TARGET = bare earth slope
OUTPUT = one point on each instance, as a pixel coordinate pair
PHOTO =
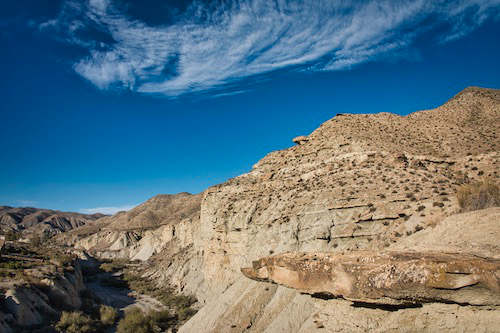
(140, 232)
(37, 221)
(159, 210)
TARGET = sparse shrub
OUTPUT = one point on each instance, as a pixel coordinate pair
(108, 315)
(76, 322)
(64, 259)
(180, 305)
(12, 265)
(186, 313)
(162, 319)
(135, 322)
(478, 195)
(177, 301)
(12, 235)
(20, 275)
(113, 266)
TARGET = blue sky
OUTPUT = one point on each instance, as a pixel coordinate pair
(106, 103)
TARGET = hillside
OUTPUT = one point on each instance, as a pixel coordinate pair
(140, 232)
(34, 221)
(160, 210)
(360, 182)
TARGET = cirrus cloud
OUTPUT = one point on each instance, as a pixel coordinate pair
(214, 46)
(106, 210)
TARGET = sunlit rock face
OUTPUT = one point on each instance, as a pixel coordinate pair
(385, 277)
(360, 182)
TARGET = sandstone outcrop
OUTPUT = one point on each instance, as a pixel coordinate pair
(385, 277)
(264, 307)
(300, 140)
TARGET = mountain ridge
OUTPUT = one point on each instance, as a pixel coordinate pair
(39, 221)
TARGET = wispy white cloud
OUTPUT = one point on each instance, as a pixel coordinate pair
(210, 46)
(106, 210)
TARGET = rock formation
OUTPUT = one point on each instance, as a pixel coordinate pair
(300, 140)
(385, 277)
(26, 305)
(140, 232)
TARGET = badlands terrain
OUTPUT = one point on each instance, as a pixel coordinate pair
(373, 222)
(41, 222)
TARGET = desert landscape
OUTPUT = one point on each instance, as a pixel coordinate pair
(372, 222)
(249, 166)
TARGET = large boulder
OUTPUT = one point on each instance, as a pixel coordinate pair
(385, 277)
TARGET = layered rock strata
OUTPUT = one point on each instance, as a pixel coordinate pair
(360, 182)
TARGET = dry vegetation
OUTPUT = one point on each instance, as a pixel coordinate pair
(26, 263)
(478, 195)
(76, 322)
(81, 322)
(180, 305)
(108, 315)
(135, 321)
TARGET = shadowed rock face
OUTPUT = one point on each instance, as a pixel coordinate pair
(385, 278)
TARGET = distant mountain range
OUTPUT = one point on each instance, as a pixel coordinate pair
(30, 221)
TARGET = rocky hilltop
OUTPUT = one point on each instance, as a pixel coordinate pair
(358, 189)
